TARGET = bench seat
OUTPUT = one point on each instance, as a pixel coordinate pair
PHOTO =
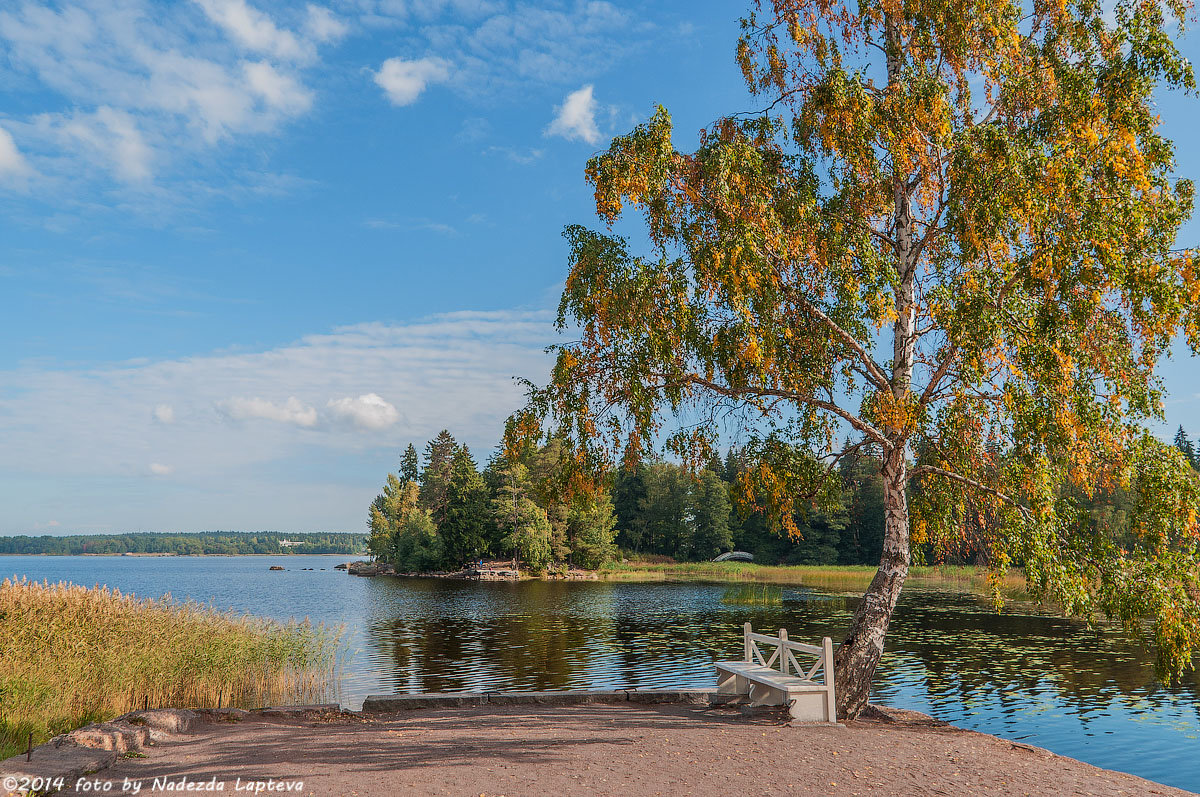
(766, 676)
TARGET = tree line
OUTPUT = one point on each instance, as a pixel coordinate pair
(185, 544)
(440, 511)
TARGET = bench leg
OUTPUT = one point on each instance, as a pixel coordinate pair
(761, 695)
(732, 684)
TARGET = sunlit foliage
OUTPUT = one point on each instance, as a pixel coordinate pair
(950, 233)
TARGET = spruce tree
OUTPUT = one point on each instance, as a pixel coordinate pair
(410, 466)
(1184, 444)
(464, 524)
(435, 478)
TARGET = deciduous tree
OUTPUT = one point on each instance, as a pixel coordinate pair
(951, 232)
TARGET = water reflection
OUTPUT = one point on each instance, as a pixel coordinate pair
(1023, 674)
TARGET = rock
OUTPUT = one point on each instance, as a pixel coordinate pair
(120, 737)
(274, 567)
(162, 720)
(65, 761)
(300, 712)
(369, 569)
(342, 566)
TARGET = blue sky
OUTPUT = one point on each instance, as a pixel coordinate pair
(249, 250)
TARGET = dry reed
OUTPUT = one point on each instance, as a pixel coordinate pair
(71, 655)
(835, 577)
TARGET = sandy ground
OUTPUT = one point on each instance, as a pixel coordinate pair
(623, 749)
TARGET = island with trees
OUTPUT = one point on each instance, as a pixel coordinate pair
(440, 511)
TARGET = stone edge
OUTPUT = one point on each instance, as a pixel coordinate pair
(382, 704)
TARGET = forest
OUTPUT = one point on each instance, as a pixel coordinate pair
(441, 511)
(193, 544)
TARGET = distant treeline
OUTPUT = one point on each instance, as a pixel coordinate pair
(195, 544)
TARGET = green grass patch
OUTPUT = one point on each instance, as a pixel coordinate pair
(74, 655)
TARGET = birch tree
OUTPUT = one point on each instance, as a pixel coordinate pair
(949, 233)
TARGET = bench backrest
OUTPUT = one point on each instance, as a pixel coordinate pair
(784, 657)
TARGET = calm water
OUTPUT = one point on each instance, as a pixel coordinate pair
(1021, 675)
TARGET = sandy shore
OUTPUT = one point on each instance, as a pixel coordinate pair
(617, 749)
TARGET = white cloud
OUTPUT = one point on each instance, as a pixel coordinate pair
(518, 156)
(112, 135)
(12, 163)
(507, 49)
(279, 91)
(293, 411)
(164, 413)
(159, 469)
(255, 30)
(370, 411)
(138, 90)
(576, 118)
(66, 428)
(403, 81)
(323, 26)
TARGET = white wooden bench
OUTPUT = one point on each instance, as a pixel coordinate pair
(780, 680)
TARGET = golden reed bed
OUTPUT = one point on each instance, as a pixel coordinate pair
(70, 655)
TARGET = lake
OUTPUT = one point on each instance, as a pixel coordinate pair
(1024, 675)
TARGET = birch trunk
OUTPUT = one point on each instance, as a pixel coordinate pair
(859, 654)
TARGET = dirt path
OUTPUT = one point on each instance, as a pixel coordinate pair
(621, 749)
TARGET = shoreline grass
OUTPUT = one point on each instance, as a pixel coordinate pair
(74, 655)
(856, 578)
(753, 595)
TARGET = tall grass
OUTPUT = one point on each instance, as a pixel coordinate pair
(834, 577)
(71, 655)
(753, 595)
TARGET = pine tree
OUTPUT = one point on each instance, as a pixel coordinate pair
(629, 490)
(388, 515)
(520, 523)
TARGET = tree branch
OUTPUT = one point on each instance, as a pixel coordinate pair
(848, 417)
(922, 470)
(939, 374)
(873, 372)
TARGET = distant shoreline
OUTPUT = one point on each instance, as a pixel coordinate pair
(178, 555)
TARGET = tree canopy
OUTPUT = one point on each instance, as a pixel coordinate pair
(951, 232)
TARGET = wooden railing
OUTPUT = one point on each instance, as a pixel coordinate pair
(785, 653)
